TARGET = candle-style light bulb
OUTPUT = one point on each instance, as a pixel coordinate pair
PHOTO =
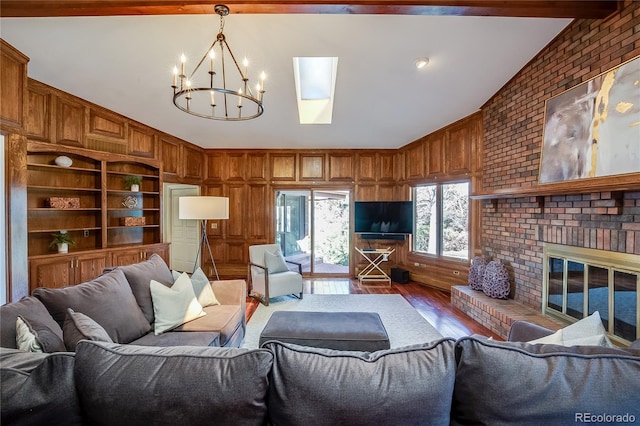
(213, 98)
(183, 60)
(245, 62)
(240, 97)
(188, 89)
(263, 77)
(212, 56)
(175, 76)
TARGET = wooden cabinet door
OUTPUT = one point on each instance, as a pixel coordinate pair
(126, 256)
(88, 266)
(458, 151)
(161, 250)
(51, 272)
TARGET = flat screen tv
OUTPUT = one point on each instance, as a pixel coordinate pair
(383, 218)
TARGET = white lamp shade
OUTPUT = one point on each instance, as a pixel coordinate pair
(203, 208)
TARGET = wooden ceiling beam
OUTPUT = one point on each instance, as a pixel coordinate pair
(521, 8)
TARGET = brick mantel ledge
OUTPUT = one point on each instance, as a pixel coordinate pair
(497, 314)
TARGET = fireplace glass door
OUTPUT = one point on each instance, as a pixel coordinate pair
(579, 282)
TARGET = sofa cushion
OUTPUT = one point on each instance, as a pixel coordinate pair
(201, 287)
(175, 305)
(136, 385)
(402, 386)
(38, 389)
(77, 326)
(107, 300)
(195, 338)
(49, 333)
(225, 319)
(139, 276)
(499, 383)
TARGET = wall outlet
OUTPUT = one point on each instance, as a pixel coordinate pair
(214, 226)
(85, 233)
(416, 264)
(456, 272)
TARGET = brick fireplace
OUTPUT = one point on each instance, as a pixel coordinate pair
(515, 228)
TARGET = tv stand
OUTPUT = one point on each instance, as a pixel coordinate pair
(373, 272)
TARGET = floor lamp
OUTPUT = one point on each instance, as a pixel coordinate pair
(204, 208)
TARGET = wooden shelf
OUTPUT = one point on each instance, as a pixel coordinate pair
(50, 209)
(62, 169)
(96, 179)
(618, 183)
(51, 230)
(62, 188)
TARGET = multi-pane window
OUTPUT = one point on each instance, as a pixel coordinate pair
(442, 219)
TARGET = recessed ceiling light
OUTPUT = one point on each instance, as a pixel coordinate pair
(421, 62)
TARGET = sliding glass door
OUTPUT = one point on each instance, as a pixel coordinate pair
(312, 228)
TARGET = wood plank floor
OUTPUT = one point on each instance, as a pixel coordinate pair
(433, 304)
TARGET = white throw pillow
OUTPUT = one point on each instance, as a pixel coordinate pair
(588, 331)
(201, 287)
(26, 338)
(275, 262)
(174, 306)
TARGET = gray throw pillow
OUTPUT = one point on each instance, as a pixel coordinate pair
(182, 385)
(33, 312)
(499, 383)
(45, 338)
(78, 326)
(402, 386)
(139, 276)
(275, 262)
(108, 300)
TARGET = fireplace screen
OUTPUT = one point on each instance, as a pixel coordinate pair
(579, 282)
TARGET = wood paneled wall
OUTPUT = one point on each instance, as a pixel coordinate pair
(250, 177)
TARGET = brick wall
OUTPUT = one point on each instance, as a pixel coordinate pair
(514, 229)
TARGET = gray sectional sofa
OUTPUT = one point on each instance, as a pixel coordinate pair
(181, 379)
(469, 381)
(120, 302)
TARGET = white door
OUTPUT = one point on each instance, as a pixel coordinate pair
(184, 234)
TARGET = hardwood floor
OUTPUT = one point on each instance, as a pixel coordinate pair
(433, 304)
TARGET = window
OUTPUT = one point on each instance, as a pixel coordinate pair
(442, 219)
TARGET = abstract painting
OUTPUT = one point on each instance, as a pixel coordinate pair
(593, 129)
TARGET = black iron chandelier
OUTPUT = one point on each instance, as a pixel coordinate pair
(219, 92)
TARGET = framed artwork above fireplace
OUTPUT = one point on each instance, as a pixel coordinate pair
(593, 129)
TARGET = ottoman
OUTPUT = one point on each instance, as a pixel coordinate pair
(348, 331)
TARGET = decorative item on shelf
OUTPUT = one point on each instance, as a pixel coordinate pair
(130, 201)
(132, 183)
(63, 240)
(63, 161)
(201, 100)
(63, 202)
(133, 221)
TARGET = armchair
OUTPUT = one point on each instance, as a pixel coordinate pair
(269, 276)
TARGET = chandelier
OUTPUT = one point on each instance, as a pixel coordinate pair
(221, 87)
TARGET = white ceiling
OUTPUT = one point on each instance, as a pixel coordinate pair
(124, 63)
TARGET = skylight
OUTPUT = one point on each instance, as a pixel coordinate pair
(315, 79)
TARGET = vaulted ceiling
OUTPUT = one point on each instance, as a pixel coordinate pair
(119, 54)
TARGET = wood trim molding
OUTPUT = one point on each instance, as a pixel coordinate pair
(594, 9)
